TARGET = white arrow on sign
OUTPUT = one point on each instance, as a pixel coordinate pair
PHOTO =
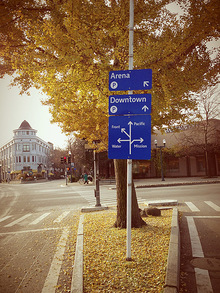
(129, 137)
(120, 140)
(145, 108)
(146, 83)
(140, 140)
(123, 131)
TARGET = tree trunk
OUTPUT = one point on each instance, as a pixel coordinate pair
(121, 185)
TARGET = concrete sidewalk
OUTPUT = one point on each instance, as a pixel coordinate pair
(157, 182)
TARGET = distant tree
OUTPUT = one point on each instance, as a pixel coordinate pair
(82, 162)
(55, 158)
(203, 133)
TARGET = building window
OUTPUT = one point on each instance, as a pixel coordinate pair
(27, 132)
(200, 163)
(24, 159)
(173, 165)
(28, 159)
(19, 159)
(218, 163)
(26, 148)
(32, 158)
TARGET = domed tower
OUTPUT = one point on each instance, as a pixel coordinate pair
(24, 130)
(31, 152)
(25, 152)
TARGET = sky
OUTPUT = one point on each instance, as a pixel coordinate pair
(15, 108)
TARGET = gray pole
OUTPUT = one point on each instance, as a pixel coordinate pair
(66, 173)
(129, 161)
(97, 195)
(161, 164)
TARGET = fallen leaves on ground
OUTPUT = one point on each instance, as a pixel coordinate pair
(105, 265)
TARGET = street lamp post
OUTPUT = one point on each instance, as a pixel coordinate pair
(161, 161)
(0, 173)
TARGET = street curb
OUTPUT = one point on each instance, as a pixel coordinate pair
(77, 276)
(173, 261)
(93, 209)
(176, 184)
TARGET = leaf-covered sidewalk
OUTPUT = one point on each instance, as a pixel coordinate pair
(105, 265)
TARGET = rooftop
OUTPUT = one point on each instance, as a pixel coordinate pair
(25, 125)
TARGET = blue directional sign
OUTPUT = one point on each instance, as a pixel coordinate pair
(130, 104)
(124, 80)
(130, 137)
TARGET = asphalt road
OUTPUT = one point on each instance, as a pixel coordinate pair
(200, 240)
(199, 207)
(35, 239)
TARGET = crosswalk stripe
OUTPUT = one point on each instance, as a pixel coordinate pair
(61, 217)
(5, 218)
(53, 274)
(203, 282)
(110, 201)
(192, 207)
(194, 238)
(39, 219)
(18, 220)
(213, 205)
(92, 202)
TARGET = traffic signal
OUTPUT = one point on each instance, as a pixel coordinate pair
(69, 160)
(64, 159)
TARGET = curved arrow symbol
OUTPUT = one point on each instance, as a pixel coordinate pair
(139, 140)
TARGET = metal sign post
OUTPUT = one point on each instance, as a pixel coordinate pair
(129, 161)
(129, 120)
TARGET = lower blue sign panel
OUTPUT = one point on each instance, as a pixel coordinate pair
(130, 137)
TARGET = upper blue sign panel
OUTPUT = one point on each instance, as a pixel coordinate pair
(130, 104)
(125, 80)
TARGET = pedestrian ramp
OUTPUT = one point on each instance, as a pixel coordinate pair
(34, 219)
(108, 200)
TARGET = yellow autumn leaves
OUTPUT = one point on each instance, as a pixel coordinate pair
(105, 267)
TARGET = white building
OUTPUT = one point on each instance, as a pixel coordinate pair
(25, 151)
